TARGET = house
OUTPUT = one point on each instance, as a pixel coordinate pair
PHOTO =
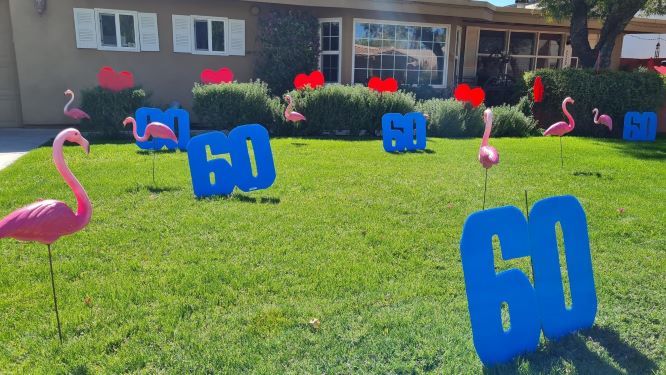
(48, 46)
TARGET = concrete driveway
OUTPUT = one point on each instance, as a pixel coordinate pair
(16, 142)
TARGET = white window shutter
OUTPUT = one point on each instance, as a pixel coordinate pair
(149, 37)
(182, 40)
(84, 27)
(237, 37)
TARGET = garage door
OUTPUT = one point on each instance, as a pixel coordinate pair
(9, 98)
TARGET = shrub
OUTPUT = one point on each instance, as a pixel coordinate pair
(227, 105)
(355, 108)
(426, 92)
(614, 93)
(451, 118)
(108, 109)
(509, 121)
(289, 45)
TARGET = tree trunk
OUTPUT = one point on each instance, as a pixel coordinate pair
(613, 26)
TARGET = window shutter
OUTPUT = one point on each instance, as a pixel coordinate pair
(181, 34)
(150, 39)
(237, 37)
(84, 27)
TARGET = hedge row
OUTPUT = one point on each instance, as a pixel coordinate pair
(614, 93)
(359, 109)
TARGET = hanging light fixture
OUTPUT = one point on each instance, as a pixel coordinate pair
(657, 49)
(40, 6)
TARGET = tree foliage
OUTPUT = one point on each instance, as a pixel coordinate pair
(614, 15)
(290, 45)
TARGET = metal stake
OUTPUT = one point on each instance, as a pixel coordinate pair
(55, 299)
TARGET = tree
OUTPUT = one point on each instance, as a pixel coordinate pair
(290, 45)
(614, 16)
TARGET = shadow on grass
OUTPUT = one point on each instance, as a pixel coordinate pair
(426, 151)
(242, 198)
(640, 150)
(299, 144)
(587, 174)
(150, 152)
(574, 350)
(153, 189)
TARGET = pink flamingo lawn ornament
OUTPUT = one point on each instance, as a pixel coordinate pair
(289, 113)
(604, 120)
(74, 113)
(488, 155)
(561, 128)
(45, 221)
(153, 130)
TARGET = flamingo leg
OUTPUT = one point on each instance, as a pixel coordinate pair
(561, 153)
(485, 188)
(527, 207)
(154, 147)
(55, 299)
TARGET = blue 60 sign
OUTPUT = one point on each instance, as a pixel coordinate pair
(531, 308)
(404, 133)
(218, 176)
(640, 126)
(177, 120)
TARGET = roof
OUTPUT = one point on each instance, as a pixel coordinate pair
(479, 11)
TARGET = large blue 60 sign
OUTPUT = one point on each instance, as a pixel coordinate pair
(530, 308)
(404, 133)
(640, 126)
(170, 118)
(218, 176)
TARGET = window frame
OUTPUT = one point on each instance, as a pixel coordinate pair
(337, 20)
(209, 19)
(535, 56)
(117, 13)
(447, 44)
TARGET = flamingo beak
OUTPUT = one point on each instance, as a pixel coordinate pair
(126, 121)
(85, 145)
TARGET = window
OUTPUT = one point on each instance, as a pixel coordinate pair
(209, 35)
(116, 30)
(203, 35)
(516, 52)
(330, 32)
(414, 54)
(457, 73)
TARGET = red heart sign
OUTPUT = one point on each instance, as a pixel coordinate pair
(210, 76)
(387, 85)
(538, 90)
(464, 93)
(314, 80)
(115, 81)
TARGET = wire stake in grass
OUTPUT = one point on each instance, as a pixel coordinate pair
(561, 154)
(527, 207)
(485, 187)
(55, 299)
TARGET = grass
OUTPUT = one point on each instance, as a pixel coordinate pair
(366, 242)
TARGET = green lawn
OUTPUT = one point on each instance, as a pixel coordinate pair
(366, 242)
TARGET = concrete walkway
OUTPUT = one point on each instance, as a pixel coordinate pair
(16, 142)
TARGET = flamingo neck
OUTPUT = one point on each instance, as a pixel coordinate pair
(290, 106)
(572, 123)
(486, 133)
(596, 116)
(136, 135)
(71, 100)
(84, 207)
